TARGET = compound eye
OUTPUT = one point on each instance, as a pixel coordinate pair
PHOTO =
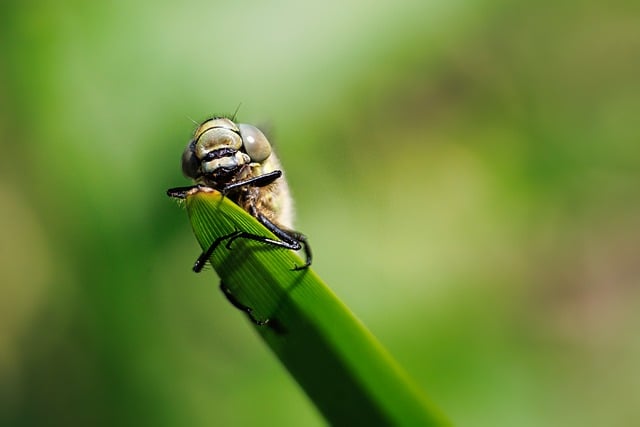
(190, 163)
(255, 143)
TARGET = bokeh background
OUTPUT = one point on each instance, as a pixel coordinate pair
(467, 172)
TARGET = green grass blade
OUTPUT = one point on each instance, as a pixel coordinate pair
(341, 366)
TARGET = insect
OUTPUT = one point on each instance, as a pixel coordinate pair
(238, 161)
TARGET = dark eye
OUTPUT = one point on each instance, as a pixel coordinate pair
(190, 163)
(255, 143)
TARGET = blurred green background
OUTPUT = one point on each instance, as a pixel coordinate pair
(467, 172)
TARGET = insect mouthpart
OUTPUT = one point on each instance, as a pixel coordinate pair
(222, 165)
(219, 153)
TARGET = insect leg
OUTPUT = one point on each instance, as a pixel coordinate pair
(256, 181)
(291, 236)
(286, 244)
(204, 256)
(237, 304)
(289, 239)
(181, 192)
(307, 250)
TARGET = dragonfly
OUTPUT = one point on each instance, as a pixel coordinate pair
(237, 160)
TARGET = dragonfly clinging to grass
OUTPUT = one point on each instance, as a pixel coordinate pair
(238, 161)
